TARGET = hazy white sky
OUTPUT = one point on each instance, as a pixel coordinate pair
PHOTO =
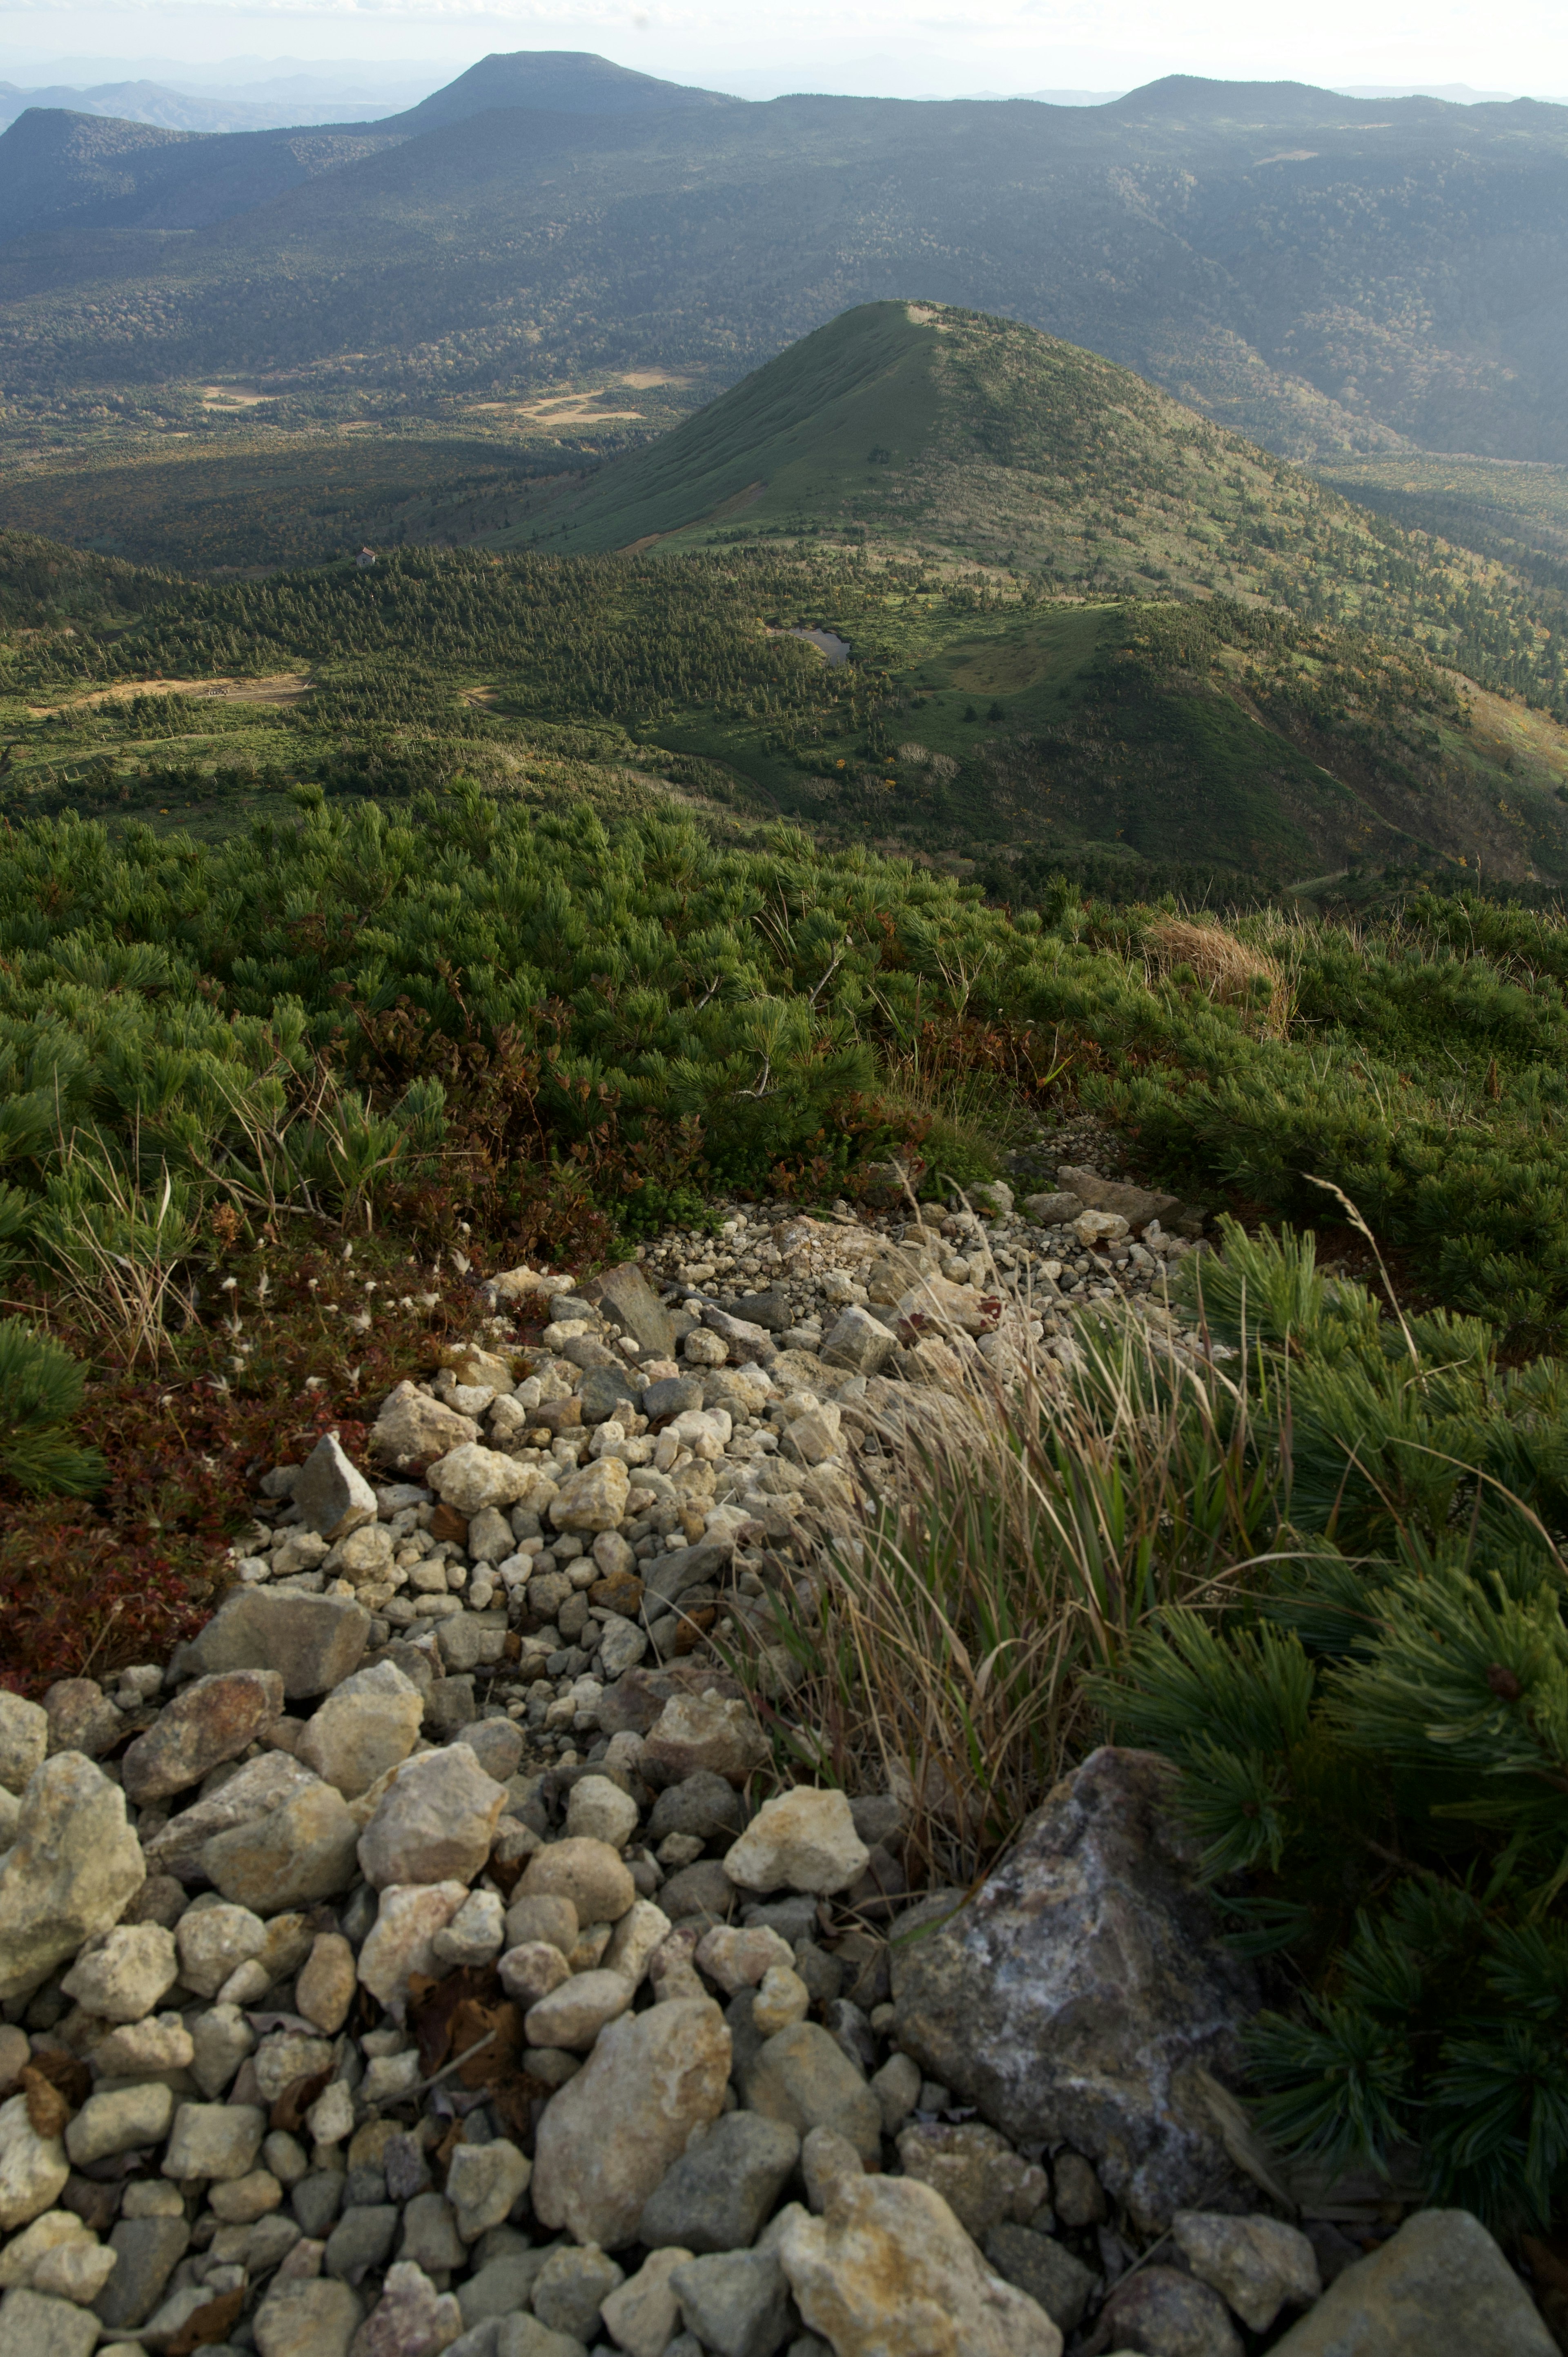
(870, 44)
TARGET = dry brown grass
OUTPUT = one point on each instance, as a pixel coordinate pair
(1230, 970)
(1013, 1540)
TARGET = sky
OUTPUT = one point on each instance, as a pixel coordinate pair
(863, 45)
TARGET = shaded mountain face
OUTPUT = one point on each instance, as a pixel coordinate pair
(1327, 274)
(555, 82)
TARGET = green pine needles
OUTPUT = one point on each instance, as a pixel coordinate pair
(1375, 1748)
(40, 1392)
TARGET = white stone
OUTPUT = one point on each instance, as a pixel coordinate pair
(598, 1810)
(470, 1477)
(367, 1725)
(635, 1940)
(71, 1871)
(33, 2169)
(608, 2135)
(573, 2015)
(213, 1941)
(801, 1840)
(21, 2254)
(24, 1741)
(476, 1934)
(122, 1976)
(401, 1939)
(435, 1822)
(642, 2315)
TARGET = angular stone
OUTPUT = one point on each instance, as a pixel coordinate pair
(51, 2232)
(214, 2140)
(251, 1792)
(1257, 2264)
(592, 1877)
(734, 2301)
(288, 2055)
(571, 2287)
(142, 2047)
(496, 1745)
(642, 2316)
(594, 1498)
(1440, 2284)
(306, 2317)
(887, 2271)
(1166, 2312)
(1047, 2270)
(33, 2168)
(367, 1725)
(804, 2078)
(606, 1390)
(471, 1641)
(24, 1741)
(401, 1939)
(412, 1430)
(71, 1870)
(572, 2016)
(799, 1840)
(469, 1478)
(121, 1975)
(333, 1496)
(696, 1731)
(211, 1721)
(121, 2121)
(624, 1296)
(608, 2137)
(483, 2180)
(476, 1932)
(722, 2190)
(33, 2325)
(411, 2319)
(313, 1641)
(214, 1941)
(859, 1342)
(435, 1823)
(669, 1575)
(1067, 1997)
(301, 1852)
(364, 1555)
(147, 2251)
(982, 2180)
(222, 2039)
(81, 1718)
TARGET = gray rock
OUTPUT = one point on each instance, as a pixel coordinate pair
(1257, 2264)
(722, 2190)
(81, 1718)
(705, 1805)
(148, 2250)
(72, 1869)
(1077, 2195)
(606, 1389)
(316, 2201)
(571, 2287)
(1136, 1205)
(1053, 1210)
(251, 1792)
(1047, 2270)
(300, 1852)
(496, 1745)
(737, 2302)
(1440, 2284)
(859, 1342)
(625, 1295)
(1083, 2037)
(471, 1641)
(211, 1721)
(1168, 2314)
(33, 2325)
(671, 1396)
(362, 2239)
(119, 2121)
(802, 2079)
(703, 1888)
(771, 1309)
(333, 1497)
(415, 1429)
(214, 2140)
(669, 1575)
(749, 1344)
(449, 1708)
(501, 2286)
(430, 2237)
(314, 1641)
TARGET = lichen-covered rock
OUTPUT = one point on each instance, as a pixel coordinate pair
(211, 1721)
(1440, 2283)
(608, 2137)
(1069, 1997)
(71, 1871)
(887, 2271)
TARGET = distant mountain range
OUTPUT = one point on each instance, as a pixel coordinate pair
(182, 110)
(1329, 275)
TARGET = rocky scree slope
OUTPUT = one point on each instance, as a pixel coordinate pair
(350, 2007)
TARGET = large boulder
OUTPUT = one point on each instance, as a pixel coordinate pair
(313, 1641)
(608, 2135)
(71, 1871)
(211, 1721)
(1440, 2283)
(1077, 1997)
